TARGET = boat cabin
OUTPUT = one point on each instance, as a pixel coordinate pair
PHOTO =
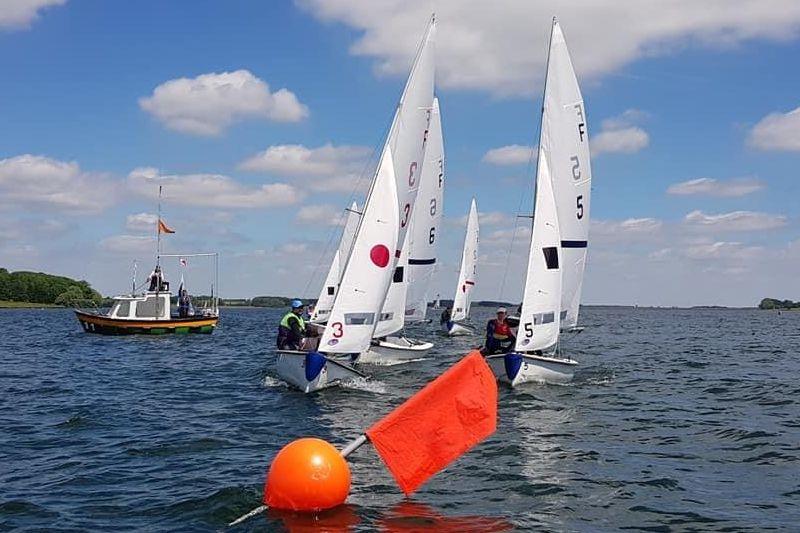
(149, 306)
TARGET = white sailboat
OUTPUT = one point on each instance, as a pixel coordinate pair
(467, 278)
(407, 298)
(329, 289)
(379, 239)
(423, 236)
(560, 229)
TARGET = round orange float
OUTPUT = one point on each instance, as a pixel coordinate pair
(307, 475)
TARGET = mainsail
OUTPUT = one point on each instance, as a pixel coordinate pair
(565, 140)
(423, 236)
(328, 293)
(469, 267)
(384, 223)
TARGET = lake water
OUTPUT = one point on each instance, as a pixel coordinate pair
(677, 420)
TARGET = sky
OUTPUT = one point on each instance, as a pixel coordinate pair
(262, 120)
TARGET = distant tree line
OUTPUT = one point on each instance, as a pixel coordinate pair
(772, 303)
(37, 287)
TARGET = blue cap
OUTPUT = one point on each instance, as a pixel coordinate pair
(297, 304)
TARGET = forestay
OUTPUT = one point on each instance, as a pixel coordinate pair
(426, 223)
(328, 293)
(381, 233)
(565, 139)
(469, 267)
(540, 318)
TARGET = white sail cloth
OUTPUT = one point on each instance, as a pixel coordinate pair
(467, 276)
(426, 223)
(565, 139)
(387, 213)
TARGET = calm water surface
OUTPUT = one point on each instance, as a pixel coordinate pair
(677, 420)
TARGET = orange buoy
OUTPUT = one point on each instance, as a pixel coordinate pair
(307, 475)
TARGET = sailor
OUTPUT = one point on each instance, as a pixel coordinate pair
(292, 328)
(445, 318)
(499, 337)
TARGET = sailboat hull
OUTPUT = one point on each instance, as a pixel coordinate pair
(516, 368)
(312, 371)
(394, 350)
(454, 329)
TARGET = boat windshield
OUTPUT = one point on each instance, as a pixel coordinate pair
(121, 309)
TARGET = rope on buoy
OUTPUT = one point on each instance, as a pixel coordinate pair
(258, 510)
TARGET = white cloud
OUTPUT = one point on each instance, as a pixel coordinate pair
(501, 46)
(210, 103)
(734, 221)
(211, 190)
(42, 181)
(722, 250)
(15, 14)
(321, 215)
(141, 222)
(293, 248)
(327, 168)
(620, 134)
(513, 154)
(714, 187)
(625, 229)
(777, 131)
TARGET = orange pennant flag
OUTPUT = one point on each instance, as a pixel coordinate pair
(437, 425)
(163, 228)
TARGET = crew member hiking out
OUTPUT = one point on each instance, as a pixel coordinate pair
(292, 328)
(499, 337)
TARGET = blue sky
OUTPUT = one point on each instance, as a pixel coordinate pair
(94, 119)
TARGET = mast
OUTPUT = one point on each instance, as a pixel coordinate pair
(158, 230)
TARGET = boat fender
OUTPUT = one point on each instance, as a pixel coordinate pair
(315, 362)
(513, 362)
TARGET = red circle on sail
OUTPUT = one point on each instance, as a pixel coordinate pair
(379, 255)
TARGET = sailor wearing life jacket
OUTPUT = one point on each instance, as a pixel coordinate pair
(499, 337)
(292, 328)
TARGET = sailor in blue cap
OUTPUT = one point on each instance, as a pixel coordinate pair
(292, 328)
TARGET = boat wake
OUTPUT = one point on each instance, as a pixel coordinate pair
(397, 362)
(273, 382)
(364, 384)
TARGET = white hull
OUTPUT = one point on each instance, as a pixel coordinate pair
(454, 329)
(312, 371)
(515, 368)
(394, 350)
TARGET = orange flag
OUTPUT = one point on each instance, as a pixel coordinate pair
(163, 228)
(437, 425)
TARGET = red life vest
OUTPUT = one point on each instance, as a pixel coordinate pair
(502, 331)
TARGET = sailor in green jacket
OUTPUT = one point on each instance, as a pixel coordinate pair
(292, 328)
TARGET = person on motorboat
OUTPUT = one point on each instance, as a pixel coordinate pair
(446, 315)
(184, 304)
(157, 282)
(292, 328)
(499, 336)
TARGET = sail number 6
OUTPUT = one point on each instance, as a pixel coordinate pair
(580, 206)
